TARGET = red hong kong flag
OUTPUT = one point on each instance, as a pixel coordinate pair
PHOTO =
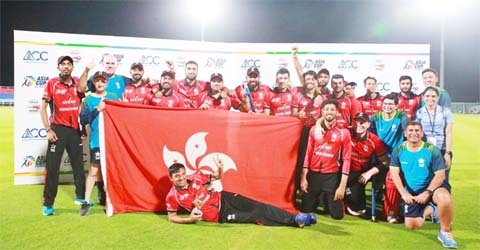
(139, 142)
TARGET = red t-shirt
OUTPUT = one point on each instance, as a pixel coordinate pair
(137, 94)
(259, 97)
(363, 149)
(65, 102)
(410, 104)
(301, 101)
(280, 103)
(326, 152)
(173, 99)
(214, 103)
(196, 191)
(190, 93)
(347, 109)
(371, 106)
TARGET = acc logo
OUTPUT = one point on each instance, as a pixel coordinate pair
(311, 64)
(28, 161)
(155, 60)
(348, 64)
(36, 56)
(383, 87)
(247, 63)
(33, 105)
(31, 81)
(215, 63)
(34, 134)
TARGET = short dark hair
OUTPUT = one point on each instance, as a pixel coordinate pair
(430, 70)
(405, 77)
(432, 89)
(369, 77)
(174, 168)
(323, 71)
(282, 71)
(191, 62)
(392, 96)
(338, 76)
(310, 72)
(330, 101)
(414, 123)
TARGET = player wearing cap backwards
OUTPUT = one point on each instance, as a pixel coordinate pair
(389, 125)
(191, 87)
(91, 107)
(322, 169)
(280, 102)
(192, 193)
(167, 96)
(215, 98)
(372, 101)
(63, 95)
(408, 102)
(364, 145)
(258, 93)
(137, 91)
(116, 83)
(348, 105)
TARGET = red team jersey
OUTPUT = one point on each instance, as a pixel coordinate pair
(312, 111)
(64, 102)
(259, 97)
(137, 94)
(363, 149)
(326, 152)
(371, 106)
(409, 104)
(348, 107)
(214, 103)
(190, 93)
(196, 191)
(171, 100)
(280, 103)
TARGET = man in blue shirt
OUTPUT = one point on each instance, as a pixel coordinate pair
(423, 169)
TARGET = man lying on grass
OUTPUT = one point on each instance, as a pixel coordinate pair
(193, 194)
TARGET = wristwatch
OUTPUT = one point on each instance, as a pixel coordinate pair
(449, 153)
(430, 192)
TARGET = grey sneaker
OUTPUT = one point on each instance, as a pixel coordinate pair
(84, 209)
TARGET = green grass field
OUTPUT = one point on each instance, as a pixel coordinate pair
(22, 225)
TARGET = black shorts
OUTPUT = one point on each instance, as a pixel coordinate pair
(95, 155)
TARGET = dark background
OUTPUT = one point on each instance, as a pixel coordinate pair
(282, 21)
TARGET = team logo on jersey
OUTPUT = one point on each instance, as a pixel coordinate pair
(421, 162)
(196, 147)
(394, 127)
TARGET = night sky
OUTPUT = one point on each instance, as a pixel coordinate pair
(282, 21)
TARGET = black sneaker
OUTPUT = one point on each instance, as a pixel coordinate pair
(102, 198)
(84, 209)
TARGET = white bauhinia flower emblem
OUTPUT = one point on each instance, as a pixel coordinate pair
(194, 148)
